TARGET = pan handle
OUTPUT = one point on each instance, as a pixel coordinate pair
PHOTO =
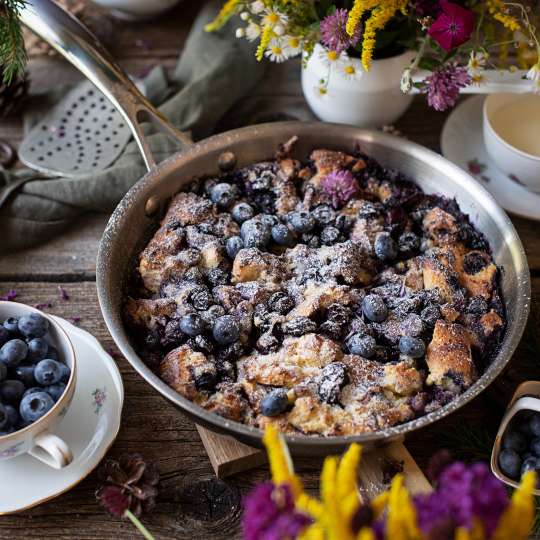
(74, 41)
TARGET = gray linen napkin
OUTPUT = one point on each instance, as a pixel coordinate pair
(214, 72)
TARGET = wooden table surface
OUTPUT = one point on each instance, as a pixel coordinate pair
(192, 503)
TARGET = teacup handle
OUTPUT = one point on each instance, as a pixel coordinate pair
(52, 450)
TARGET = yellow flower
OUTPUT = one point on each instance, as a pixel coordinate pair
(355, 14)
(266, 36)
(499, 11)
(401, 519)
(227, 11)
(516, 521)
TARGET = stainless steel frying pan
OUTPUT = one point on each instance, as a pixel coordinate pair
(133, 219)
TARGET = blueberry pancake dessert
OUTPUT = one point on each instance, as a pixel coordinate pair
(326, 297)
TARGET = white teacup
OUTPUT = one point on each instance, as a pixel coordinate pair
(38, 439)
(512, 136)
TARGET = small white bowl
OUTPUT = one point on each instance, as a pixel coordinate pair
(38, 439)
(511, 160)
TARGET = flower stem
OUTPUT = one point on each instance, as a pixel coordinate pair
(143, 530)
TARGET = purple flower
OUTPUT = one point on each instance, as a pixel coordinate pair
(340, 186)
(63, 293)
(9, 296)
(443, 85)
(113, 500)
(453, 26)
(334, 35)
(269, 514)
(464, 493)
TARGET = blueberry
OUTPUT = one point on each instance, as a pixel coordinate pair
(201, 343)
(66, 372)
(330, 235)
(411, 346)
(282, 236)
(11, 390)
(269, 220)
(477, 305)
(192, 324)
(12, 414)
(344, 223)
(529, 464)
(193, 275)
(4, 419)
(370, 210)
(34, 406)
(52, 353)
(223, 195)
(37, 350)
(362, 345)
(233, 245)
(255, 233)
(229, 352)
(333, 377)
(263, 182)
(534, 425)
(310, 239)
(299, 326)
(514, 440)
(212, 313)
(385, 247)
(33, 325)
(280, 302)
(12, 326)
(4, 335)
(217, 276)
(3, 371)
(13, 352)
(25, 374)
(412, 325)
(535, 447)
(242, 212)
(32, 390)
(206, 381)
(324, 215)
(374, 308)
(430, 314)
(48, 372)
(226, 330)
(201, 299)
(275, 402)
(55, 390)
(408, 244)
(302, 222)
(510, 463)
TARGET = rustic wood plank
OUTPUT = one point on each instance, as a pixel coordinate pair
(227, 455)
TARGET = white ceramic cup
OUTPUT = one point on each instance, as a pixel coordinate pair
(514, 162)
(38, 439)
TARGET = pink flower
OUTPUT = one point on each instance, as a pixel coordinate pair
(453, 27)
(334, 35)
(340, 186)
(113, 500)
(443, 85)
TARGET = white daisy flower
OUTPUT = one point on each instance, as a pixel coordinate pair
(477, 61)
(253, 31)
(293, 45)
(279, 30)
(350, 72)
(478, 78)
(534, 73)
(273, 17)
(332, 58)
(257, 6)
(321, 91)
(406, 81)
(244, 15)
(276, 52)
(240, 32)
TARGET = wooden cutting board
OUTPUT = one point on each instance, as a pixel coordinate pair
(229, 456)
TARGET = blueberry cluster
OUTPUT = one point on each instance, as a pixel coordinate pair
(32, 376)
(521, 445)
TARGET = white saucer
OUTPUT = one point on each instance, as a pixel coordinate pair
(462, 142)
(90, 427)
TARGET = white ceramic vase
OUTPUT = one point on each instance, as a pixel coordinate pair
(367, 99)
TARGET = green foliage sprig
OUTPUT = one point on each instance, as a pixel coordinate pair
(12, 51)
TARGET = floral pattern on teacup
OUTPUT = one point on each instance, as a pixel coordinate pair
(476, 168)
(11, 451)
(100, 396)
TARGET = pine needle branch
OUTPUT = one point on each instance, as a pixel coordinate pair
(12, 51)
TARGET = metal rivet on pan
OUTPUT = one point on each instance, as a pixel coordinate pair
(152, 206)
(227, 161)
